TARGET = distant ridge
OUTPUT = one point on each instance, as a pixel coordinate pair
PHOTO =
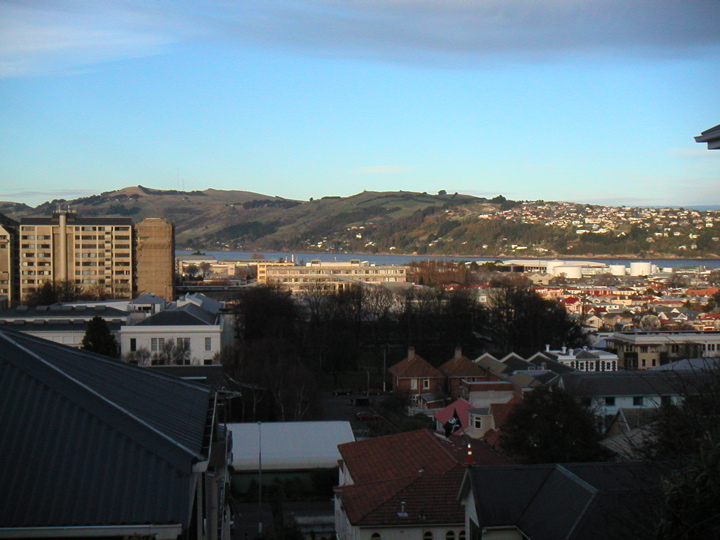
(405, 222)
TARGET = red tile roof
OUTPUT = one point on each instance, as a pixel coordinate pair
(462, 367)
(414, 366)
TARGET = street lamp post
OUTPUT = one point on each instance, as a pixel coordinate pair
(260, 479)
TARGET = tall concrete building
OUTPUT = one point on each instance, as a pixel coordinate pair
(93, 252)
(9, 262)
(155, 257)
(100, 254)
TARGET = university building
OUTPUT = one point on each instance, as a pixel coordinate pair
(334, 276)
(101, 254)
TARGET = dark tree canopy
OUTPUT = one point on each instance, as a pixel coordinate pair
(99, 339)
(523, 322)
(551, 426)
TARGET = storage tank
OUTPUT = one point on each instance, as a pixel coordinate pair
(617, 269)
(551, 265)
(570, 272)
(640, 269)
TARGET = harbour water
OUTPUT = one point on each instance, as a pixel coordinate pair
(404, 259)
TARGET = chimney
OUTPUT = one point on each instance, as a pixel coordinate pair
(547, 347)
(411, 352)
(458, 352)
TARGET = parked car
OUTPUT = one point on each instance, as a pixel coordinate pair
(365, 416)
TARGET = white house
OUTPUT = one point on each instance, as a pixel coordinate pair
(194, 321)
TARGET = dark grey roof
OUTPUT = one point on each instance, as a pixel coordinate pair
(87, 440)
(147, 298)
(188, 315)
(54, 326)
(711, 137)
(212, 376)
(57, 311)
(630, 383)
(573, 501)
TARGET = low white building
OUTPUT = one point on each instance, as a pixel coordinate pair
(194, 321)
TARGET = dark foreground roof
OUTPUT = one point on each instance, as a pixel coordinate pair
(583, 501)
(90, 441)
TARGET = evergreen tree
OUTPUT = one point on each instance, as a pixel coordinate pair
(98, 338)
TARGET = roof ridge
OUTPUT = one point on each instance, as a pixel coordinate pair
(51, 382)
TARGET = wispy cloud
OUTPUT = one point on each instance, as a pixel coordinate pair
(384, 169)
(37, 35)
(39, 197)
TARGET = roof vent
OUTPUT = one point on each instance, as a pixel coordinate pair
(402, 512)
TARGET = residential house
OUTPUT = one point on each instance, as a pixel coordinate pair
(606, 393)
(93, 447)
(424, 383)
(459, 368)
(404, 486)
(580, 358)
(196, 322)
(579, 501)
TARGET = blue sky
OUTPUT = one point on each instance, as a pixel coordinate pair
(576, 100)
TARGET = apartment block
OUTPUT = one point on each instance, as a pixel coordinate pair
(9, 263)
(642, 350)
(155, 257)
(103, 255)
(333, 275)
(94, 252)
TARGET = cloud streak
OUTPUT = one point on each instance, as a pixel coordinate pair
(37, 36)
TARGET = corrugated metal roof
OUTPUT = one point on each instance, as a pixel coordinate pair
(87, 440)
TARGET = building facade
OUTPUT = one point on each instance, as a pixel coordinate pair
(334, 276)
(642, 350)
(155, 257)
(9, 262)
(94, 253)
(104, 256)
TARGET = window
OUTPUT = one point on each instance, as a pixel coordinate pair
(428, 536)
(413, 384)
(450, 535)
(461, 536)
(426, 384)
(609, 401)
(638, 401)
(208, 344)
(184, 342)
(477, 422)
(376, 536)
(643, 348)
(208, 362)
(133, 344)
(156, 344)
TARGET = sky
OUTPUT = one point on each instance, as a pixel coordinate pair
(591, 101)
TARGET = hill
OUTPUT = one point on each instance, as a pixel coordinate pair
(405, 223)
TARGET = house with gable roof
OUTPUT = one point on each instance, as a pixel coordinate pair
(421, 380)
(97, 448)
(577, 501)
(404, 486)
(460, 368)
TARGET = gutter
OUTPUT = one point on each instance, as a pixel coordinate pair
(159, 532)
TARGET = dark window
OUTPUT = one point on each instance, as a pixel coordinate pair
(133, 344)
(638, 401)
(610, 401)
